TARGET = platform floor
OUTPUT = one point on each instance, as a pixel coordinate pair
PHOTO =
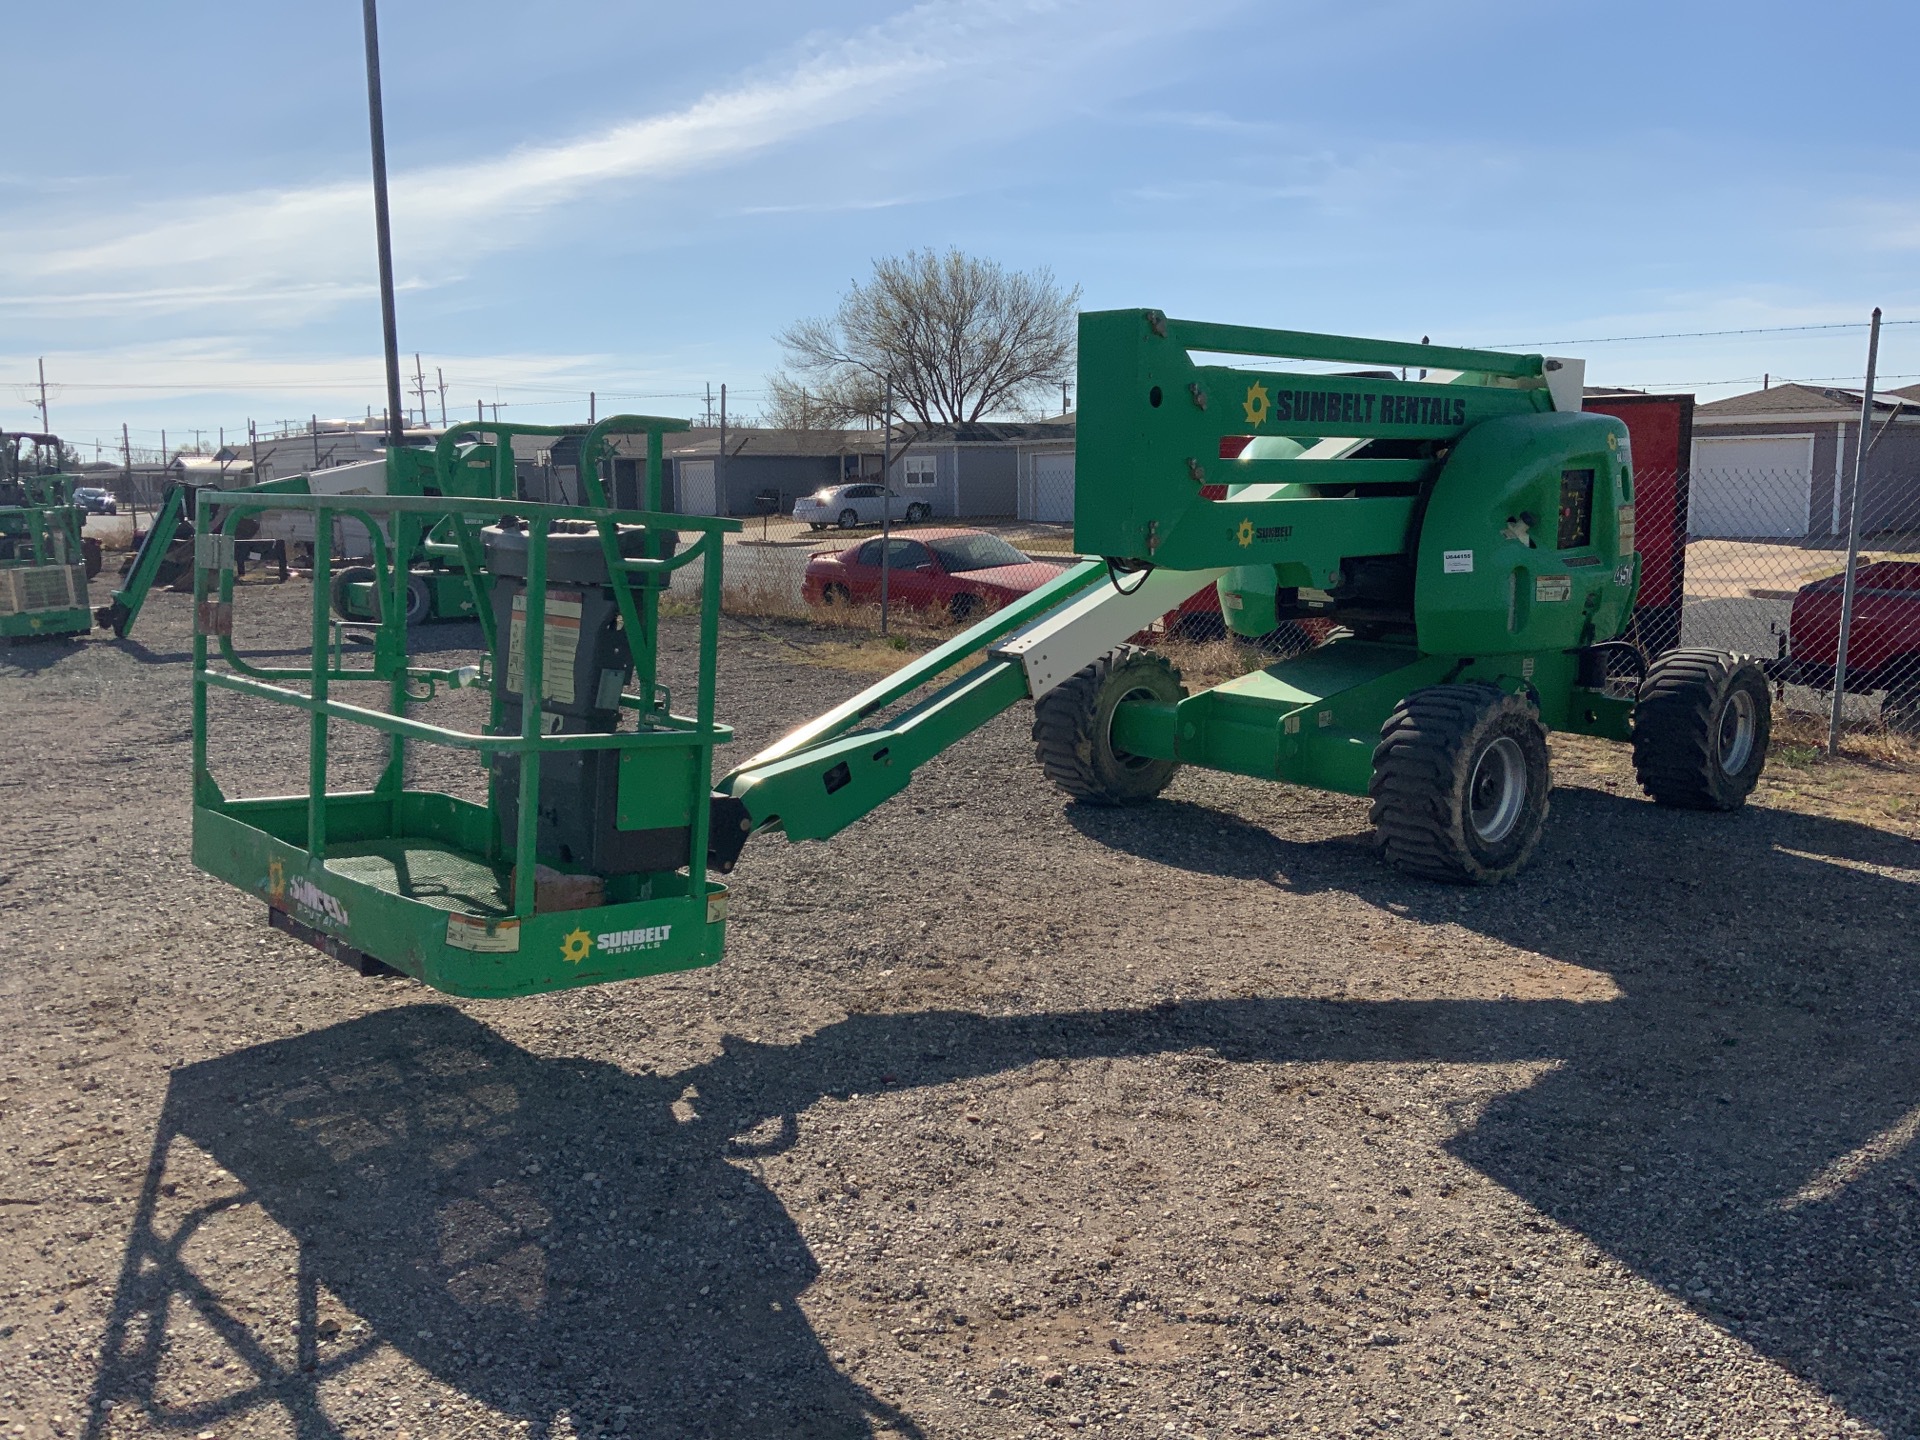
(426, 871)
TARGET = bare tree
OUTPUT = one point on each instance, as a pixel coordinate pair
(959, 337)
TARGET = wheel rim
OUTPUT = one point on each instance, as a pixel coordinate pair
(1497, 793)
(1737, 726)
(1127, 762)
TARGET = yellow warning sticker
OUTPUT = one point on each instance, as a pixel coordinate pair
(562, 644)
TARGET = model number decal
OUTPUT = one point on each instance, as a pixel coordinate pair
(1456, 562)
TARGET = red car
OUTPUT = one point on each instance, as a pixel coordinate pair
(964, 572)
(1883, 646)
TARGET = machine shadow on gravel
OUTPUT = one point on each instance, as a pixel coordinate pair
(559, 1236)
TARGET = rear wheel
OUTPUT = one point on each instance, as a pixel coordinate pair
(962, 607)
(1700, 729)
(1900, 710)
(919, 511)
(1460, 784)
(1073, 729)
(849, 518)
(419, 600)
(836, 595)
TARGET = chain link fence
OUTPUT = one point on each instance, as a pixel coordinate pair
(1766, 561)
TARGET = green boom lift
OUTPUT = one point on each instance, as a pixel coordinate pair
(1468, 534)
(45, 560)
(436, 585)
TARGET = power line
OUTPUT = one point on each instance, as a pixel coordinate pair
(1778, 380)
(1690, 335)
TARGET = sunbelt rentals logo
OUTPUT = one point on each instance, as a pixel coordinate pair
(304, 897)
(578, 944)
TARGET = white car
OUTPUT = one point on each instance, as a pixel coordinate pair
(856, 504)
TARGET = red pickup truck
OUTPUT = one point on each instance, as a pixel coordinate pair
(1883, 647)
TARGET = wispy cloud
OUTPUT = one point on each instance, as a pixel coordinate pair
(295, 251)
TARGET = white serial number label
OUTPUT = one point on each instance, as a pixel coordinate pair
(1456, 562)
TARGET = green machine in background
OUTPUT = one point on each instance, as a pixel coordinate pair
(437, 585)
(45, 560)
(1462, 531)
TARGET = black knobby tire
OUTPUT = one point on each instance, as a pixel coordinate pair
(1460, 784)
(419, 600)
(337, 592)
(1073, 729)
(1700, 729)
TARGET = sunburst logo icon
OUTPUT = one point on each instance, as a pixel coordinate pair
(577, 945)
(1256, 404)
(1245, 533)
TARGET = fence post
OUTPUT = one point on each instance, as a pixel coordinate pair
(1853, 538)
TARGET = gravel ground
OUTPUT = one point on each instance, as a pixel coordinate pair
(1002, 1118)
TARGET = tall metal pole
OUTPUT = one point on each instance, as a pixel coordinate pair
(720, 459)
(383, 229)
(1853, 536)
(886, 500)
(46, 425)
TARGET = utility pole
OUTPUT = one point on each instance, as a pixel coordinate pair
(420, 388)
(313, 429)
(163, 457)
(1063, 399)
(382, 224)
(46, 425)
(720, 460)
(709, 405)
(253, 444)
(126, 456)
(440, 376)
(593, 406)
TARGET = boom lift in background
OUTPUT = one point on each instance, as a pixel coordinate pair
(45, 559)
(1470, 534)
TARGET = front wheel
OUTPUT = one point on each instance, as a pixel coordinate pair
(342, 601)
(1073, 729)
(1460, 784)
(918, 512)
(1700, 729)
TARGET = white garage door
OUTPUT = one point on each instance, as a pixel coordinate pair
(1050, 491)
(1751, 487)
(696, 487)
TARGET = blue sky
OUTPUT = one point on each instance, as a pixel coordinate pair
(634, 198)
